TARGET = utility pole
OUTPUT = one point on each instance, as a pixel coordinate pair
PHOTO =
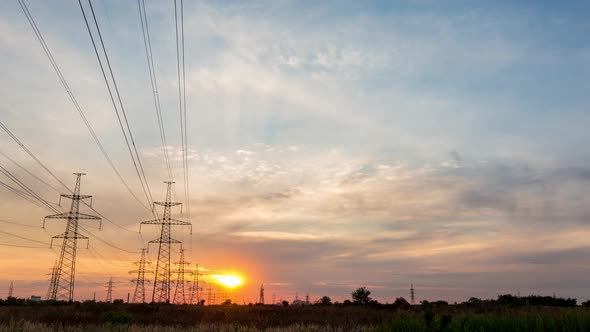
(179, 297)
(161, 292)
(307, 297)
(63, 287)
(53, 281)
(10, 290)
(139, 293)
(261, 298)
(109, 287)
(412, 293)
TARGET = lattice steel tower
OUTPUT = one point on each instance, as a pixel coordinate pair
(109, 287)
(162, 276)
(10, 290)
(181, 272)
(196, 288)
(52, 282)
(63, 288)
(412, 293)
(139, 293)
(261, 297)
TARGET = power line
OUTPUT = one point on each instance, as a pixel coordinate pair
(180, 60)
(154, 83)
(32, 155)
(24, 238)
(53, 209)
(19, 246)
(73, 98)
(21, 194)
(129, 141)
(19, 224)
(29, 172)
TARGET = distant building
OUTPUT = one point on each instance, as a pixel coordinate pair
(35, 298)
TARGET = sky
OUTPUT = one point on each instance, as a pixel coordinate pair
(332, 145)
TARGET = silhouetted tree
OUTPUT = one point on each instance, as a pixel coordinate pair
(285, 303)
(325, 300)
(401, 303)
(361, 296)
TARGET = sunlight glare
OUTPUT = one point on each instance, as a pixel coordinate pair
(229, 280)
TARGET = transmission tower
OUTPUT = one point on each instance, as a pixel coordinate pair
(63, 288)
(412, 293)
(307, 297)
(162, 276)
(10, 290)
(53, 281)
(196, 288)
(181, 272)
(209, 296)
(109, 287)
(261, 297)
(139, 293)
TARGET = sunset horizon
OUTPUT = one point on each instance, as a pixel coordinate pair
(425, 150)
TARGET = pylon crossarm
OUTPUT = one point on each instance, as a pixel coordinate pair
(57, 216)
(77, 236)
(88, 216)
(79, 197)
(179, 222)
(169, 241)
(150, 222)
(67, 215)
(167, 203)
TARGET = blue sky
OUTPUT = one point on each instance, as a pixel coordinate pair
(374, 143)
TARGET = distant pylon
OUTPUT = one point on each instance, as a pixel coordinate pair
(181, 272)
(196, 288)
(109, 287)
(307, 297)
(53, 281)
(273, 298)
(209, 296)
(261, 298)
(63, 289)
(10, 290)
(139, 293)
(162, 276)
(412, 293)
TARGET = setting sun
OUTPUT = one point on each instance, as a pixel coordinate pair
(229, 280)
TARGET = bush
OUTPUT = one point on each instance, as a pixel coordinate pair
(118, 318)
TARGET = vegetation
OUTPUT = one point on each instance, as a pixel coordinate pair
(506, 313)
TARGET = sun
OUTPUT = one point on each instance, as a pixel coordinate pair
(228, 280)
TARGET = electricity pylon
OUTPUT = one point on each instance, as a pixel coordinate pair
(196, 289)
(63, 288)
(412, 293)
(162, 276)
(181, 272)
(109, 287)
(261, 298)
(139, 293)
(10, 290)
(53, 281)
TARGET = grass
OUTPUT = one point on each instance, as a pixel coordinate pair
(156, 318)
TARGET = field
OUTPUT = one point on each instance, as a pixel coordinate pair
(123, 317)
